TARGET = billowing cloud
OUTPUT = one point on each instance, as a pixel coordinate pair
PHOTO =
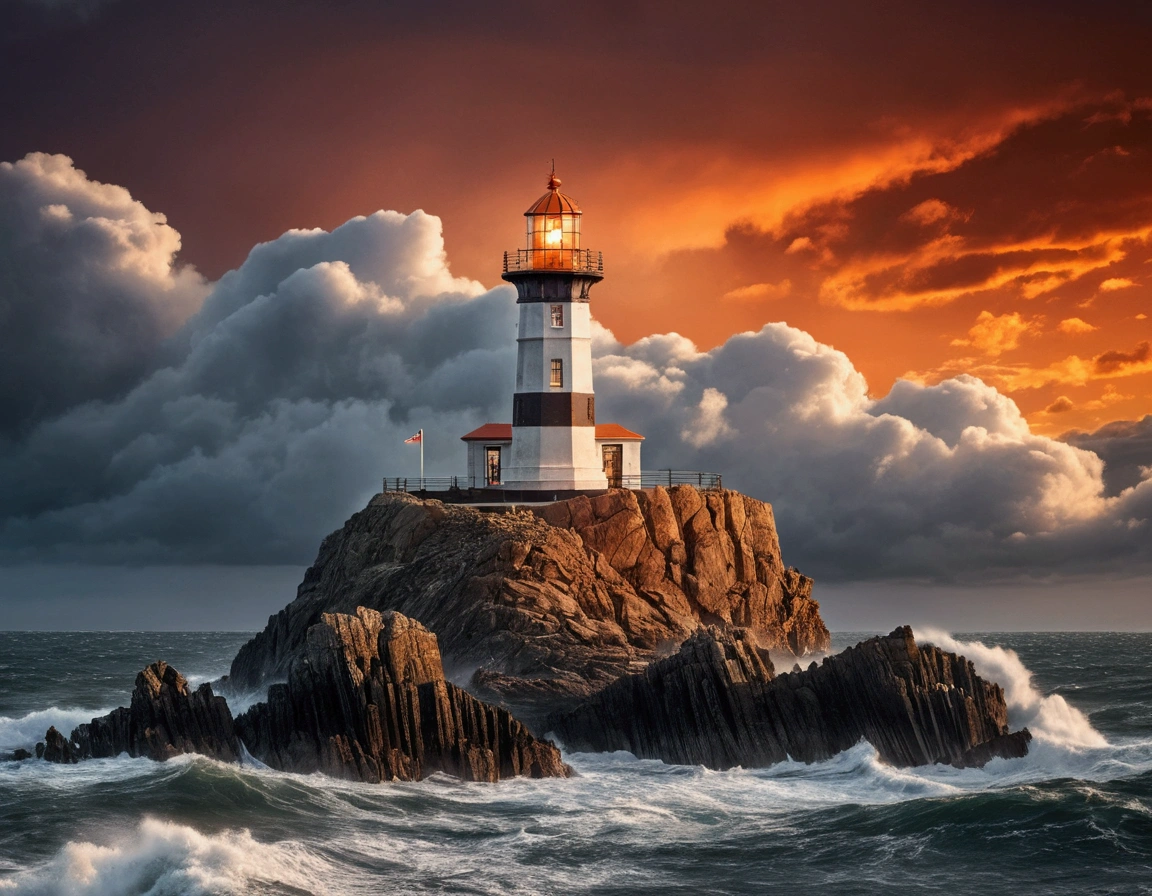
(1126, 448)
(279, 405)
(89, 289)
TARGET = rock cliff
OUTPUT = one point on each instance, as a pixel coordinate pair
(366, 699)
(718, 703)
(542, 609)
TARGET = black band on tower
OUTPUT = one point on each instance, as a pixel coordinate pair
(554, 409)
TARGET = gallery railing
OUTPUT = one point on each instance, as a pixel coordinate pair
(582, 261)
(643, 479)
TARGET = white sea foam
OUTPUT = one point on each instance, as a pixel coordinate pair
(166, 859)
(1049, 718)
(24, 731)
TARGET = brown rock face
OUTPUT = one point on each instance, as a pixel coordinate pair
(367, 700)
(694, 557)
(717, 703)
(165, 719)
(543, 610)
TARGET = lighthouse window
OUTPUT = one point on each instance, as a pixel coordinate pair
(557, 315)
(557, 372)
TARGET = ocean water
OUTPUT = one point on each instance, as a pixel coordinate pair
(1075, 816)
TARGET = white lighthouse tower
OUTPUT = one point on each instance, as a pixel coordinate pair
(554, 407)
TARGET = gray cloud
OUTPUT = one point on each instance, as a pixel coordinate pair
(88, 289)
(1125, 446)
(277, 406)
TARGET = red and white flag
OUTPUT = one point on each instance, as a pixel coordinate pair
(419, 437)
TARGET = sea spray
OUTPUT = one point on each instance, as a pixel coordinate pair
(166, 859)
(22, 732)
(1049, 718)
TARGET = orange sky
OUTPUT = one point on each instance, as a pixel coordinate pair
(933, 191)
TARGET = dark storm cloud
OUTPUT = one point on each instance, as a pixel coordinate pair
(288, 394)
(88, 289)
(1125, 446)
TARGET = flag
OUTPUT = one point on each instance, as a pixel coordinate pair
(419, 437)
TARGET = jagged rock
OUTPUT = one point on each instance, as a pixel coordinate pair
(547, 608)
(1004, 746)
(165, 719)
(366, 700)
(56, 749)
(18, 755)
(717, 703)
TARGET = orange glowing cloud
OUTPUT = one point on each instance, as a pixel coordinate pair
(758, 292)
(994, 335)
(1074, 326)
(949, 268)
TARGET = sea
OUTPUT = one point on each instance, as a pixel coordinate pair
(1074, 816)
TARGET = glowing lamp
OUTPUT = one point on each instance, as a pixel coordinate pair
(554, 229)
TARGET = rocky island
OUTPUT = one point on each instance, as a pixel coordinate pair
(542, 608)
(431, 637)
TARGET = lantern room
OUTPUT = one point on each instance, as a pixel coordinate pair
(553, 228)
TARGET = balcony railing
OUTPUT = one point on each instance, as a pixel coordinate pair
(582, 261)
(643, 479)
(668, 478)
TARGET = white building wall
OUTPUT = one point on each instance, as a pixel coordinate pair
(539, 342)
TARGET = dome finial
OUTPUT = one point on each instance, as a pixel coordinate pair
(553, 180)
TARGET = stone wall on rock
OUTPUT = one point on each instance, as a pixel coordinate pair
(367, 700)
(718, 703)
(541, 610)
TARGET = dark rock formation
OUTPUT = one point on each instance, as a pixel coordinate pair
(546, 609)
(165, 719)
(1003, 746)
(718, 703)
(56, 749)
(366, 699)
(16, 756)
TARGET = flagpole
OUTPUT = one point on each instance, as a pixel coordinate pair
(421, 458)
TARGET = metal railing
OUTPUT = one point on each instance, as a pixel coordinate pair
(430, 483)
(582, 261)
(643, 479)
(667, 478)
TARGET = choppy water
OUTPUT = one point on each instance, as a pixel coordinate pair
(1075, 816)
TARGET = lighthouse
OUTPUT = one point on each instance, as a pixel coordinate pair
(553, 445)
(554, 405)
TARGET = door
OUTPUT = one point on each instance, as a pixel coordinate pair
(614, 464)
(492, 465)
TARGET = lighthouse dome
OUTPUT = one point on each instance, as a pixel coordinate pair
(554, 202)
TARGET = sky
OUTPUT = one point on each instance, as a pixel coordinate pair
(885, 268)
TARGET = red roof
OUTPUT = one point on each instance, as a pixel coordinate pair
(615, 431)
(502, 432)
(490, 432)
